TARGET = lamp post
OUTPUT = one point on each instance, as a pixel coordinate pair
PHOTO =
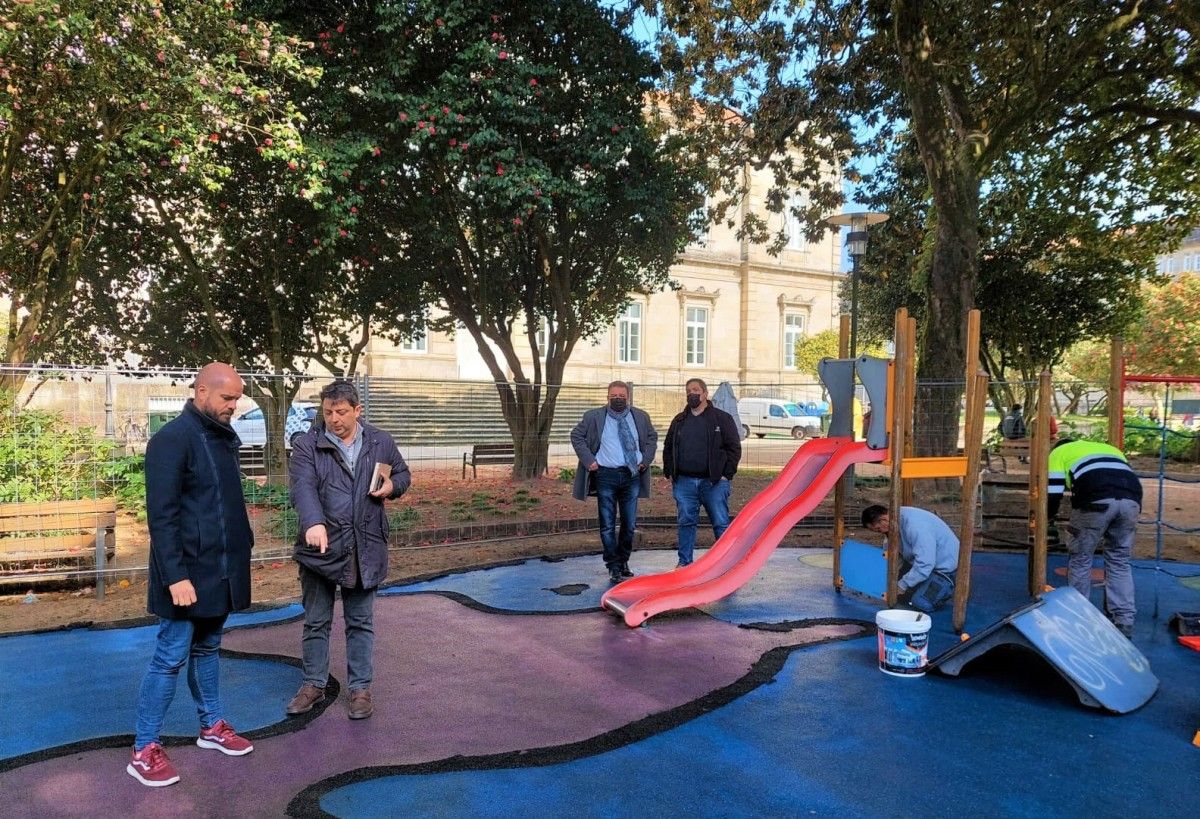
(856, 246)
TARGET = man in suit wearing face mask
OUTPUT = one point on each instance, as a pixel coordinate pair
(615, 444)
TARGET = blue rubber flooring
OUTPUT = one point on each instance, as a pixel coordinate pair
(77, 684)
(828, 735)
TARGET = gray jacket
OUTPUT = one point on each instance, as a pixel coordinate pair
(586, 440)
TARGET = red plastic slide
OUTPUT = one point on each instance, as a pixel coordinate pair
(754, 533)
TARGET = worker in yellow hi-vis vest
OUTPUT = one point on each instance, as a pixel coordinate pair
(1106, 499)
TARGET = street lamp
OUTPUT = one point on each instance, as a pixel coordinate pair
(856, 246)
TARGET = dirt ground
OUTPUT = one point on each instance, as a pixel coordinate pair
(440, 498)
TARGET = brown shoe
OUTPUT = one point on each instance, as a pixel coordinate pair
(308, 696)
(360, 704)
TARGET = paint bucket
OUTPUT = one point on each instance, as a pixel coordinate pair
(903, 642)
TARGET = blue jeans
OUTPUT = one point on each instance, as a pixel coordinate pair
(931, 593)
(617, 493)
(358, 610)
(195, 642)
(689, 494)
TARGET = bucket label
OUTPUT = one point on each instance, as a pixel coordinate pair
(903, 653)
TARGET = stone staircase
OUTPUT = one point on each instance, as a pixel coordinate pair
(432, 413)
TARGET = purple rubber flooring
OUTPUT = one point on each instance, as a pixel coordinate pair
(450, 681)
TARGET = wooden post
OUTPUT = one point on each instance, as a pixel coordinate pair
(896, 445)
(1116, 393)
(839, 491)
(1039, 454)
(973, 445)
(910, 408)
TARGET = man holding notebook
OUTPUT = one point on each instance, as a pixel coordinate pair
(342, 471)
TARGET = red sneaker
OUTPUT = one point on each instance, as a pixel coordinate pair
(223, 738)
(151, 767)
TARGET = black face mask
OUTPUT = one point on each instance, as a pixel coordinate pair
(617, 404)
(693, 401)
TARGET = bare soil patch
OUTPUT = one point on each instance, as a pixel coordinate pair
(441, 499)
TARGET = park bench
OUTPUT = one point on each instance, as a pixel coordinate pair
(1010, 450)
(56, 532)
(487, 455)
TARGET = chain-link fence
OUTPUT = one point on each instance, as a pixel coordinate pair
(72, 484)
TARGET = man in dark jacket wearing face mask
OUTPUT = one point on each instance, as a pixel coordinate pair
(700, 456)
(615, 445)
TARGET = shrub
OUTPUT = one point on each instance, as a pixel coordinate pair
(127, 475)
(403, 518)
(273, 495)
(43, 457)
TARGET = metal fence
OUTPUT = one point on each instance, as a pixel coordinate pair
(75, 435)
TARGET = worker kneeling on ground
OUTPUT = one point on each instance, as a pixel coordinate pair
(928, 554)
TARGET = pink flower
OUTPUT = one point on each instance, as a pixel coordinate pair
(499, 170)
(403, 117)
(533, 81)
(353, 209)
(453, 142)
(268, 142)
(432, 130)
(421, 124)
(459, 118)
(517, 221)
(376, 150)
(292, 165)
(161, 56)
(214, 137)
(445, 109)
(504, 55)
(439, 22)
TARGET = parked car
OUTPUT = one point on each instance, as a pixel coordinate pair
(761, 416)
(252, 429)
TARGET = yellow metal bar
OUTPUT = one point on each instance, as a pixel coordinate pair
(951, 466)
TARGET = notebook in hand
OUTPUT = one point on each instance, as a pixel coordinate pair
(382, 472)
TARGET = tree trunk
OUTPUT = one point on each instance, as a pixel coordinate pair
(942, 125)
(941, 360)
(529, 421)
(274, 398)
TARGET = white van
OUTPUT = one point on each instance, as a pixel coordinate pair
(774, 415)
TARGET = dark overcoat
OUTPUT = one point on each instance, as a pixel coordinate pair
(199, 529)
(324, 490)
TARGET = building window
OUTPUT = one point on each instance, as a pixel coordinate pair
(629, 335)
(696, 336)
(543, 337)
(699, 223)
(793, 331)
(418, 342)
(795, 230)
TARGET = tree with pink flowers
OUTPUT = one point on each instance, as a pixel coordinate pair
(97, 101)
(523, 171)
